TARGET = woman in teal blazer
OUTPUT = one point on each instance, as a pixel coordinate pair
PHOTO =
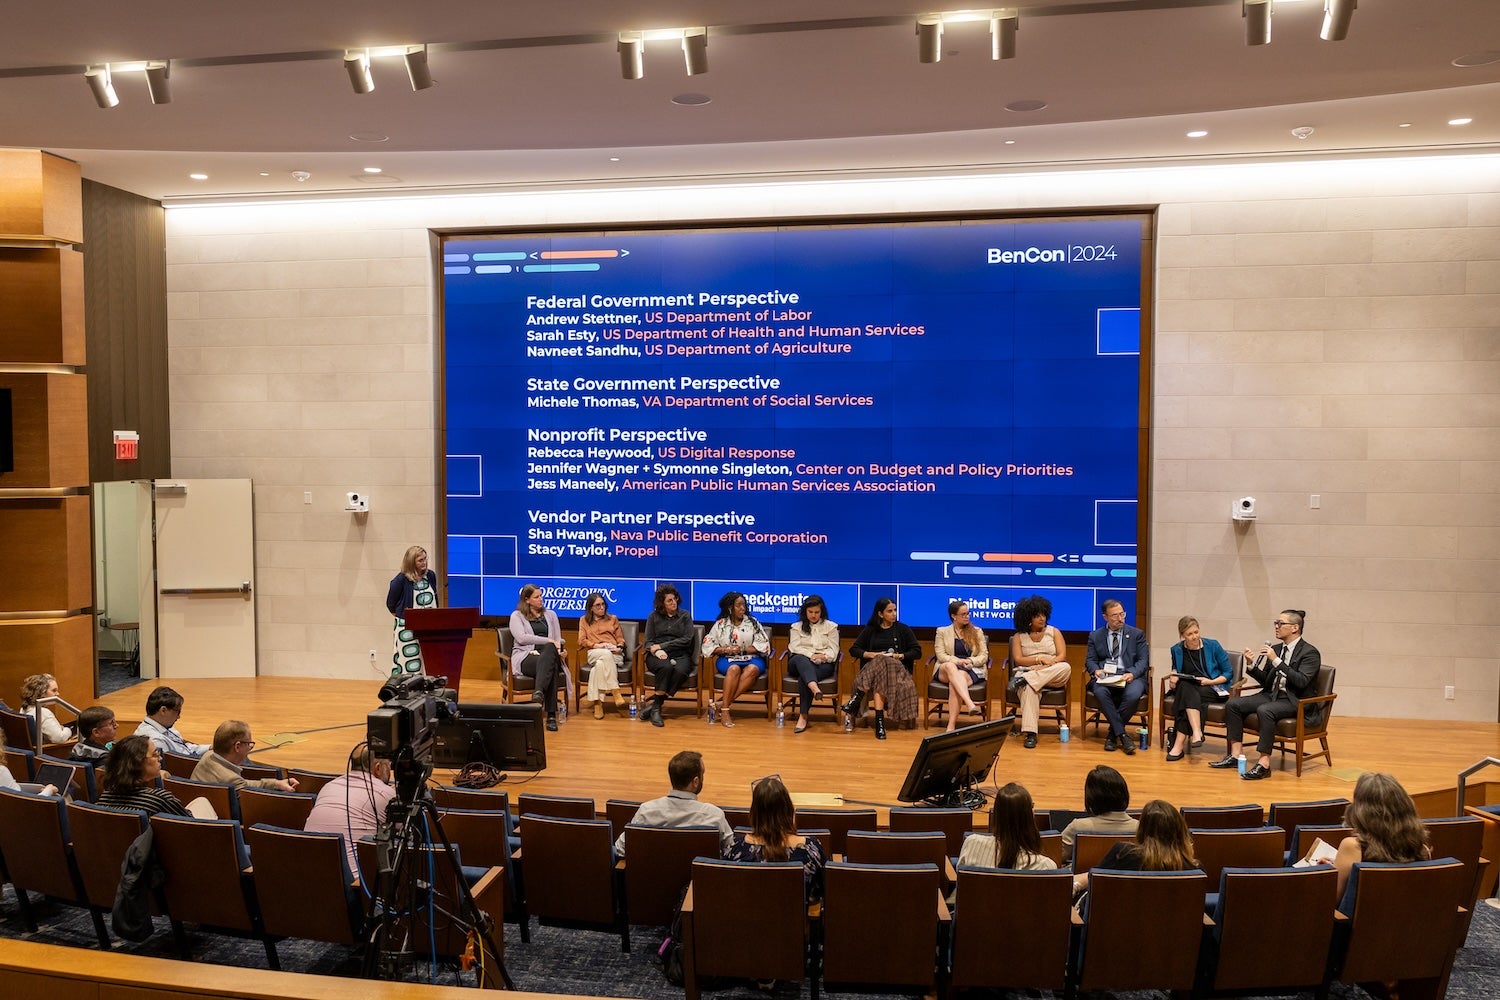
(1200, 673)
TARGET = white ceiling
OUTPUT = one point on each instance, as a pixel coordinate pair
(796, 86)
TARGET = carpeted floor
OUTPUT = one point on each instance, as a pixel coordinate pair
(576, 962)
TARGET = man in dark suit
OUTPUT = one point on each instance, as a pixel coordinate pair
(1286, 668)
(1119, 667)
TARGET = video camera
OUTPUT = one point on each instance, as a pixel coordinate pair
(405, 725)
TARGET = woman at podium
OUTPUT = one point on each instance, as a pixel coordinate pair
(414, 587)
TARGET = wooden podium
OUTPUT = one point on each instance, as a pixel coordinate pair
(443, 633)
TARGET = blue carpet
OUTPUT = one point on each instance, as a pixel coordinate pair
(576, 962)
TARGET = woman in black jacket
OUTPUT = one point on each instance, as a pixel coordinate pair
(670, 645)
(887, 651)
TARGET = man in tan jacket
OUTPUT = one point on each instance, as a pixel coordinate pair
(231, 748)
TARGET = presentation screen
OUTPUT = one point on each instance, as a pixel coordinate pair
(925, 411)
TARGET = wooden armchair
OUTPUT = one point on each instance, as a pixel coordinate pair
(899, 906)
(1299, 903)
(836, 689)
(1142, 931)
(725, 898)
(935, 692)
(624, 673)
(713, 681)
(519, 687)
(645, 673)
(1091, 716)
(1056, 702)
(1213, 711)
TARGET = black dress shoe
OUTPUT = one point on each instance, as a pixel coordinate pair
(552, 725)
(1198, 742)
(1109, 743)
(1225, 762)
(1128, 747)
(1030, 741)
(1257, 772)
(656, 719)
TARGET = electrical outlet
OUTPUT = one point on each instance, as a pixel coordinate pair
(373, 654)
(1448, 693)
(1314, 501)
(307, 496)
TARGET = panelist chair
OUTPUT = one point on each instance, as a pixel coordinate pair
(645, 673)
(519, 687)
(1092, 716)
(935, 693)
(1056, 701)
(1310, 723)
(1213, 711)
(714, 681)
(786, 684)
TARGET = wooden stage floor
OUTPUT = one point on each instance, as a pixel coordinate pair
(313, 723)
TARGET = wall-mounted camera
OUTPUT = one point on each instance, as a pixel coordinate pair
(358, 503)
(1243, 509)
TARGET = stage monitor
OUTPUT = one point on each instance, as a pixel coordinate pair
(948, 762)
(510, 737)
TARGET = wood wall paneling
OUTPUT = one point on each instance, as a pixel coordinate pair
(50, 537)
(63, 647)
(42, 322)
(50, 418)
(42, 196)
(125, 296)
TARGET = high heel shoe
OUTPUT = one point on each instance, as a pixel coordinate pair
(879, 724)
(854, 705)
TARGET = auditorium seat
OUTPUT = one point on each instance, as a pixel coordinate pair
(1013, 930)
(726, 898)
(303, 885)
(838, 823)
(100, 839)
(205, 881)
(567, 874)
(1142, 930)
(658, 864)
(1299, 903)
(883, 927)
(1224, 817)
(1251, 847)
(38, 853)
(280, 809)
(1402, 925)
(1290, 815)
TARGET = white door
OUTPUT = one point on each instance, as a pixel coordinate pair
(205, 578)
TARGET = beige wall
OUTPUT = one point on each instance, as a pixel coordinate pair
(1328, 328)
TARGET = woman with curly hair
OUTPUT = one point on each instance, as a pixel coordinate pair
(1385, 824)
(739, 645)
(1038, 660)
(48, 729)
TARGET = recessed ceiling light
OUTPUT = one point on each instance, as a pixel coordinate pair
(614, 159)
(372, 170)
(265, 173)
(369, 136)
(1459, 121)
(1404, 125)
(1486, 58)
(1010, 142)
(1302, 131)
(1028, 105)
(691, 100)
(198, 177)
(1197, 133)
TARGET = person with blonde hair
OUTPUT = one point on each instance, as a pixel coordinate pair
(963, 660)
(48, 729)
(1200, 673)
(415, 586)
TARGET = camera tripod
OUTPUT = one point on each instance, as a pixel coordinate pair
(420, 888)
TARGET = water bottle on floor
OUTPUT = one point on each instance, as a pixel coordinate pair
(780, 717)
(712, 713)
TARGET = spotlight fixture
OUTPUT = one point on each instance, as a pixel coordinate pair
(632, 48)
(158, 81)
(417, 70)
(930, 38)
(1257, 15)
(357, 62)
(695, 50)
(1302, 131)
(102, 84)
(1336, 17)
(1004, 23)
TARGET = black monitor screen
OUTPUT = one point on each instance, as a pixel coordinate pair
(511, 737)
(944, 761)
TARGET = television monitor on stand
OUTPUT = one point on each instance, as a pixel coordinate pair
(509, 737)
(948, 767)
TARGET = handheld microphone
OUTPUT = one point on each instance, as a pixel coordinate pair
(1260, 659)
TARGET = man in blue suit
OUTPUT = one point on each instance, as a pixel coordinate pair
(1118, 664)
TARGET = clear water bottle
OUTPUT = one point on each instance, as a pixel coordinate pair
(712, 713)
(562, 712)
(780, 717)
(848, 722)
(632, 706)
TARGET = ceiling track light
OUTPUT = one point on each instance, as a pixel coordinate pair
(1004, 23)
(632, 47)
(357, 63)
(1336, 17)
(158, 81)
(102, 84)
(417, 70)
(695, 50)
(930, 38)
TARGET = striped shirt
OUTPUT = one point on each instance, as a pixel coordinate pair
(148, 798)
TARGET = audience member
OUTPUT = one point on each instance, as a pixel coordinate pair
(130, 773)
(963, 660)
(1013, 841)
(1286, 668)
(1162, 844)
(1118, 664)
(669, 644)
(1385, 827)
(8, 780)
(232, 746)
(97, 729)
(773, 834)
(48, 729)
(1038, 660)
(1105, 799)
(354, 803)
(163, 709)
(681, 807)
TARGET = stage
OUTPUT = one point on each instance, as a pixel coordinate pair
(313, 723)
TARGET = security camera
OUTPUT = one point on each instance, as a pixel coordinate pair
(1243, 509)
(357, 502)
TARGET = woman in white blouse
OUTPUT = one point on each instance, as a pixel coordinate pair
(812, 653)
(33, 689)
